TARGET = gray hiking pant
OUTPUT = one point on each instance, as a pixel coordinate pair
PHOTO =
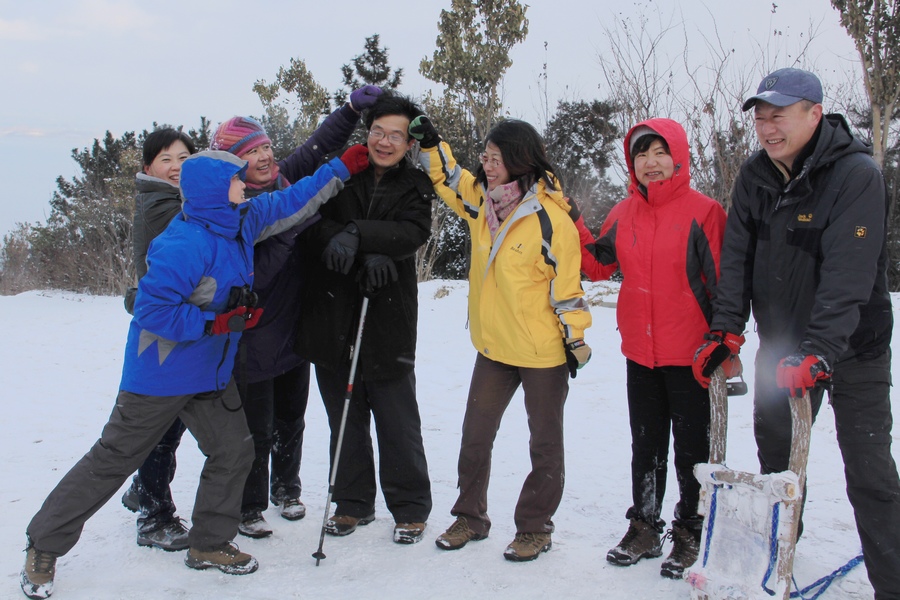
(135, 426)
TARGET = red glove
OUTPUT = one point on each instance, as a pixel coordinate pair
(800, 372)
(719, 347)
(732, 367)
(234, 321)
(356, 158)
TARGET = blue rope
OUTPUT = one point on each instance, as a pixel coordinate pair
(710, 523)
(825, 581)
(773, 547)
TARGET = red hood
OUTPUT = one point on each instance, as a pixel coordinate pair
(676, 138)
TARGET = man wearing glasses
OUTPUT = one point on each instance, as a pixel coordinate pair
(365, 245)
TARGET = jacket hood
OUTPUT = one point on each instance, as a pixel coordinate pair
(205, 181)
(836, 141)
(155, 187)
(677, 141)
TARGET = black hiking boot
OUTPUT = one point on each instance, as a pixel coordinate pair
(685, 549)
(640, 541)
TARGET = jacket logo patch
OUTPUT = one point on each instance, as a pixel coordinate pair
(807, 218)
(517, 248)
(860, 232)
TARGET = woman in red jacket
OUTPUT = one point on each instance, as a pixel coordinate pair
(665, 238)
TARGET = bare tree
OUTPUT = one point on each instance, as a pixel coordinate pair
(647, 78)
(874, 26)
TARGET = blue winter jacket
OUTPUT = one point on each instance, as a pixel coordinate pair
(192, 267)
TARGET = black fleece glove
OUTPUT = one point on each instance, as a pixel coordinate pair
(378, 270)
(341, 249)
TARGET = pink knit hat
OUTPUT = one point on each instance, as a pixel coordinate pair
(239, 135)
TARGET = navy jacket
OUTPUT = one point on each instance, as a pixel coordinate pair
(267, 350)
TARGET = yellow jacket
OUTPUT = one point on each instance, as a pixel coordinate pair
(525, 293)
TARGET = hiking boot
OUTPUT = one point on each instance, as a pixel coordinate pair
(640, 541)
(130, 499)
(458, 535)
(345, 524)
(685, 548)
(227, 558)
(290, 508)
(408, 533)
(170, 537)
(527, 546)
(37, 575)
(253, 525)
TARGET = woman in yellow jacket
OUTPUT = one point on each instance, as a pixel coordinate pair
(527, 317)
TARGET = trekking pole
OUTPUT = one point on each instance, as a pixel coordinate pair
(354, 356)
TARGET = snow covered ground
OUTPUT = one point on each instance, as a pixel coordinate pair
(61, 359)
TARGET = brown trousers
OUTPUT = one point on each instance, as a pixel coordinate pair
(490, 391)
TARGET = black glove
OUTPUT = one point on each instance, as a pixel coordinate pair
(341, 249)
(423, 130)
(578, 353)
(377, 271)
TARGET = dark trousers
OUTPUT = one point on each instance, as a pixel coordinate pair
(863, 421)
(403, 470)
(275, 410)
(660, 400)
(136, 424)
(490, 391)
(153, 478)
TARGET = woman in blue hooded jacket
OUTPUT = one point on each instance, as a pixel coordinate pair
(190, 310)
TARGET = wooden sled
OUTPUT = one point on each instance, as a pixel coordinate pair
(750, 520)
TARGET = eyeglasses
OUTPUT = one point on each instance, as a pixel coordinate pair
(494, 162)
(394, 138)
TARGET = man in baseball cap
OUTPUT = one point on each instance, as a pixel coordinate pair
(804, 246)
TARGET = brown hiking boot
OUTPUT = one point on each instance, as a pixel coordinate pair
(527, 546)
(408, 533)
(640, 541)
(458, 535)
(227, 558)
(37, 575)
(345, 524)
(685, 548)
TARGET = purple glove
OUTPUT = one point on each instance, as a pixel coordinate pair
(364, 97)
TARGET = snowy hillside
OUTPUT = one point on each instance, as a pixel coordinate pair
(61, 360)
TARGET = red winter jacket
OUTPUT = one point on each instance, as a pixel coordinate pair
(666, 241)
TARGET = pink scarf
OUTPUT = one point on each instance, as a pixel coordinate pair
(501, 201)
(279, 181)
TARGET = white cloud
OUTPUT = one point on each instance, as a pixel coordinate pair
(24, 131)
(20, 30)
(111, 17)
(29, 66)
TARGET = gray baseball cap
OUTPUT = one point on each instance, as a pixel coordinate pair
(785, 87)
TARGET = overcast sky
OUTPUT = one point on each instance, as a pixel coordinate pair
(72, 69)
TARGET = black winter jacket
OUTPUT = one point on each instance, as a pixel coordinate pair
(394, 218)
(157, 202)
(809, 255)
